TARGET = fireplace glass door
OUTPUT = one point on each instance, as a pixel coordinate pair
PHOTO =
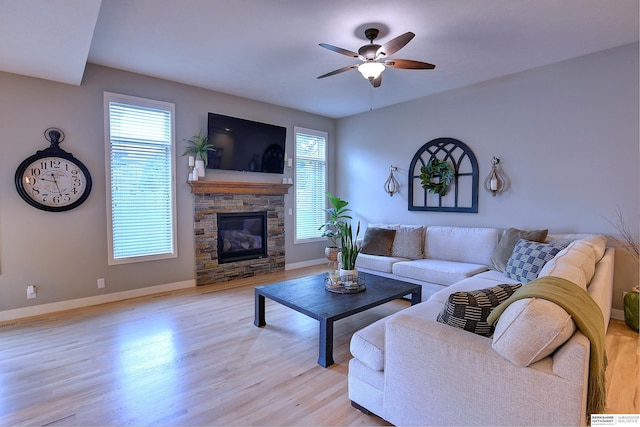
(242, 236)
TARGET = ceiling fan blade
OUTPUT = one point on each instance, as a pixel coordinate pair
(338, 71)
(408, 64)
(377, 81)
(339, 50)
(394, 45)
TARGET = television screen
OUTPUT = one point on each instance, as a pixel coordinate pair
(245, 145)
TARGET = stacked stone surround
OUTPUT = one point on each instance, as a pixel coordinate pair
(213, 198)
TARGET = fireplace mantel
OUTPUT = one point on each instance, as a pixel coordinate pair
(227, 187)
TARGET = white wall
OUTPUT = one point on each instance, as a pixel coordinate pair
(65, 253)
(566, 134)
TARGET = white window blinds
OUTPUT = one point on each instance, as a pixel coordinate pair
(311, 183)
(140, 174)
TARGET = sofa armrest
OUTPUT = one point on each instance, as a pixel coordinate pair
(436, 374)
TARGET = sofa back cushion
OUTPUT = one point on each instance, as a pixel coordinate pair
(462, 244)
(577, 262)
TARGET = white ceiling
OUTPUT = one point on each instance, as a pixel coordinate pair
(268, 50)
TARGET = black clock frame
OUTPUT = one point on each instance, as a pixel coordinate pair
(53, 151)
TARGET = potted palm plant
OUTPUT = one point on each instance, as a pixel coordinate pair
(198, 148)
(334, 228)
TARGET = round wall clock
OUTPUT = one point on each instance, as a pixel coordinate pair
(52, 179)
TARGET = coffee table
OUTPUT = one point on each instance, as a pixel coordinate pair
(308, 296)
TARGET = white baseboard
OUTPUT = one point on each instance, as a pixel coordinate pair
(617, 314)
(305, 264)
(53, 307)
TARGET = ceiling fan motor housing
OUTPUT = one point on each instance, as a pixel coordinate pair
(369, 51)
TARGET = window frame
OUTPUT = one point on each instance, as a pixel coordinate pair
(325, 135)
(134, 101)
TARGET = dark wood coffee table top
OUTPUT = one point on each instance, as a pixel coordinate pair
(308, 295)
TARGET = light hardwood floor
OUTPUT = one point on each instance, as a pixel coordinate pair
(193, 357)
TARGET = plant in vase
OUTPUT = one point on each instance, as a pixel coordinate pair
(629, 242)
(198, 148)
(334, 228)
(349, 251)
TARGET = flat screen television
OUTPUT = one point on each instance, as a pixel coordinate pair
(245, 145)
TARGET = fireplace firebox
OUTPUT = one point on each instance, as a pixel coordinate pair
(242, 236)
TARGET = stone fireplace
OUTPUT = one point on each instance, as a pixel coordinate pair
(237, 202)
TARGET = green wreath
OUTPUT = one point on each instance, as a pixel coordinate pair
(436, 168)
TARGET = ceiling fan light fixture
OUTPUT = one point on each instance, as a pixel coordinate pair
(371, 70)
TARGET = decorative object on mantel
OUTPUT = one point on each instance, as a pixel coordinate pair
(455, 168)
(193, 172)
(198, 147)
(440, 170)
(495, 183)
(391, 185)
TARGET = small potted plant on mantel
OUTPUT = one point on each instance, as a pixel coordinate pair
(198, 151)
(335, 227)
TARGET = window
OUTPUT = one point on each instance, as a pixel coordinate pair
(311, 183)
(140, 178)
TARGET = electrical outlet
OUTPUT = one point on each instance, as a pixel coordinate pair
(31, 291)
(101, 283)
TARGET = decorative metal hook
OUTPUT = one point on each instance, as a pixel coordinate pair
(391, 185)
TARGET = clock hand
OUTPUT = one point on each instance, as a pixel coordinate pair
(53, 175)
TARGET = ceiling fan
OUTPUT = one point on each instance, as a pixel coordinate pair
(373, 55)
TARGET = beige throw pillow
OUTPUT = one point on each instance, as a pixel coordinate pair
(408, 242)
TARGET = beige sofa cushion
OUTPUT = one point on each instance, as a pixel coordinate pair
(376, 262)
(436, 271)
(531, 329)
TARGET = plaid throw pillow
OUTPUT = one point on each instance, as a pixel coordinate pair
(528, 258)
(469, 310)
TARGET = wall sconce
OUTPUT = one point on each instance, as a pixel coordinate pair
(391, 185)
(495, 182)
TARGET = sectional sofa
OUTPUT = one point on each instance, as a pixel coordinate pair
(424, 366)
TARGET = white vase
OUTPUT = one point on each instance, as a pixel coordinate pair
(349, 278)
(200, 167)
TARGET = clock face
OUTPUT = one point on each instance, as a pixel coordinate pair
(53, 183)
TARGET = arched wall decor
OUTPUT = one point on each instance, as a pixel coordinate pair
(462, 195)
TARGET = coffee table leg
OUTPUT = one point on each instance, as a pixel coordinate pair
(325, 356)
(416, 297)
(258, 318)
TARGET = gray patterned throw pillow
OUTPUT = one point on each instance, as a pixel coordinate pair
(528, 258)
